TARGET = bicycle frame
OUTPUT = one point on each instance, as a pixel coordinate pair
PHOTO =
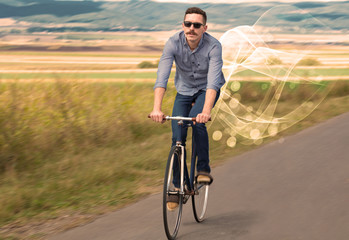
(184, 168)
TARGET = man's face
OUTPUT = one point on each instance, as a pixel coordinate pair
(194, 34)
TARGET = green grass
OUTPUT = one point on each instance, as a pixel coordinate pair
(78, 54)
(152, 75)
(298, 71)
(85, 37)
(62, 142)
(323, 72)
(64, 66)
(55, 75)
(92, 75)
(330, 53)
(89, 148)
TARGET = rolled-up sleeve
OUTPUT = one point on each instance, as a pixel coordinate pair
(215, 77)
(165, 65)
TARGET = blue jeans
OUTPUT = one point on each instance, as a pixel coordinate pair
(183, 107)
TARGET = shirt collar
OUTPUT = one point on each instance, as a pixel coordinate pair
(184, 41)
(201, 40)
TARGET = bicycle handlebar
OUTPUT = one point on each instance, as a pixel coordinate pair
(179, 118)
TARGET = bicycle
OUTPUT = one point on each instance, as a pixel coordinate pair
(188, 186)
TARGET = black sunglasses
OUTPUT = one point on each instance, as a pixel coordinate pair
(196, 24)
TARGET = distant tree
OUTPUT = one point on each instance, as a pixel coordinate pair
(274, 61)
(15, 31)
(147, 64)
(309, 62)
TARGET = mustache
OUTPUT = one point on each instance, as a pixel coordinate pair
(191, 32)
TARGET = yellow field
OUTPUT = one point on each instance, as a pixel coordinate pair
(49, 52)
(44, 57)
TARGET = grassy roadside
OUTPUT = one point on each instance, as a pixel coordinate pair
(88, 148)
(63, 67)
(81, 75)
(152, 75)
(79, 54)
(72, 147)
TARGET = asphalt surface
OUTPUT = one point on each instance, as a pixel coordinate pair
(295, 189)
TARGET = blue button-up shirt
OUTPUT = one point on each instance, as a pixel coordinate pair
(196, 70)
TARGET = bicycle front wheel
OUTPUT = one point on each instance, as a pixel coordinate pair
(199, 201)
(172, 216)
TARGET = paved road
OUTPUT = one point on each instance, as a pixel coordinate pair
(291, 190)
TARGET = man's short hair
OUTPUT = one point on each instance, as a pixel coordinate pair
(197, 11)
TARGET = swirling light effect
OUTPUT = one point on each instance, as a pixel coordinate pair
(255, 107)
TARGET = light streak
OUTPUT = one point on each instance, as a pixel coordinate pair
(249, 110)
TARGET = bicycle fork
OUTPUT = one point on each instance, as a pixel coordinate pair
(182, 168)
(184, 177)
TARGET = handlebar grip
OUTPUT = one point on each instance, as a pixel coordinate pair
(164, 118)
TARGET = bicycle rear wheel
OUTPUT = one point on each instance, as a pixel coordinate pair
(172, 218)
(199, 201)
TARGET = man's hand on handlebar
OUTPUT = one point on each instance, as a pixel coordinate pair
(157, 116)
(203, 118)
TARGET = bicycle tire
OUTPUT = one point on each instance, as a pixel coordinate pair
(171, 218)
(200, 200)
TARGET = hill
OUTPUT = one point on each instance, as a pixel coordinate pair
(60, 16)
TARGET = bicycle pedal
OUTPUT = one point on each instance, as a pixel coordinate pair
(185, 199)
(187, 192)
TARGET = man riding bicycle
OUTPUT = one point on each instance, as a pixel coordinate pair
(198, 79)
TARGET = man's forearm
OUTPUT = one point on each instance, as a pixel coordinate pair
(209, 101)
(158, 96)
